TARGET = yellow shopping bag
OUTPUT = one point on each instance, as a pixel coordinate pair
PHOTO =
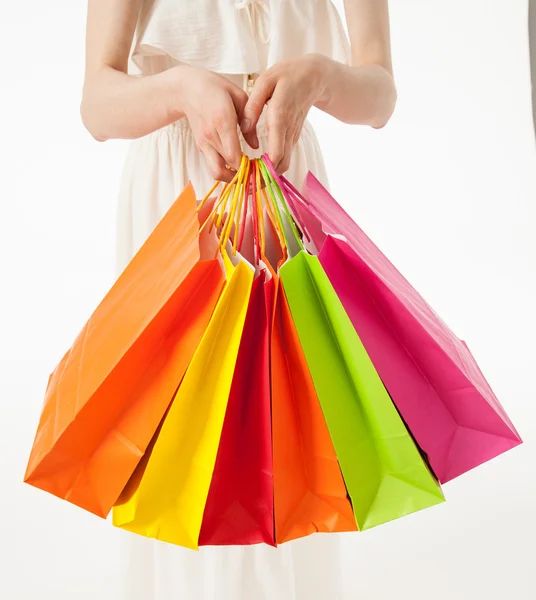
(166, 498)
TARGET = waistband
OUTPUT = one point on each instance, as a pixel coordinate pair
(182, 127)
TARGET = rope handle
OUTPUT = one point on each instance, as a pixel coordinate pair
(255, 190)
(287, 197)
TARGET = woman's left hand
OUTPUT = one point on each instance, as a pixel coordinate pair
(290, 88)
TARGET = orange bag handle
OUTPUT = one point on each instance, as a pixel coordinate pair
(214, 213)
(209, 193)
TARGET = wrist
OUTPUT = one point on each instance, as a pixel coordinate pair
(326, 73)
(174, 82)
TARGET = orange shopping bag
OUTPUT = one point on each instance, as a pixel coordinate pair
(309, 491)
(107, 396)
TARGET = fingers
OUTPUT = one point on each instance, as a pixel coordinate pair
(221, 133)
(252, 139)
(276, 146)
(291, 139)
(240, 99)
(281, 132)
(216, 164)
(284, 163)
(262, 92)
(228, 142)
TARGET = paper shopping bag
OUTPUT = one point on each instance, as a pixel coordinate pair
(309, 491)
(171, 493)
(430, 373)
(383, 470)
(240, 503)
(109, 392)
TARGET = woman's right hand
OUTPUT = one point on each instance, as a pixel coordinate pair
(118, 105)
(214, 107)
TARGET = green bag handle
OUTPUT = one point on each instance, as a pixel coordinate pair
(271, 185)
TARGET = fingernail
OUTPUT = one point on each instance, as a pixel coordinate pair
(246, 125)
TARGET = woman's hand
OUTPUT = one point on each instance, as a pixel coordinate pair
(290, 88)
(214, 106)
(118, 105)
(362, 93)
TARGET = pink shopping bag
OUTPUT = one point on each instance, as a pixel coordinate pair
(430, 374)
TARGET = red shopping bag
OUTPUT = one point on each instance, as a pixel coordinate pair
(239, 508)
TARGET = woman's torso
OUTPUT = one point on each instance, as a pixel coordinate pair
(237, 38)
(234, 37)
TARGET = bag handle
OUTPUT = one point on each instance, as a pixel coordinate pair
(214, 213)
(256, 186)
(260, 216)
(231, 216)
(291, 207)
(240, 222)
(273, 185)
(244, 211)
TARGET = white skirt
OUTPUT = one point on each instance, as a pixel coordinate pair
(157, 168)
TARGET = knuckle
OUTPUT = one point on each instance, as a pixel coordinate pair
(255, 104)
(220, 173)
(277, 156)
(241, 97)
(263, 80)
(283, 165)
(281, 114)
(206, 134)
(218, 121)
(231, 149)
(268, 81)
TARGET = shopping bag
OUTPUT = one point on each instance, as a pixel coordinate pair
(170, 496)
(382, 468)
(309, 491)
(239, 508)
(109, 392)
(431, 375)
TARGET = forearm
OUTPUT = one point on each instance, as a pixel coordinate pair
(117, 105)
(364, 95)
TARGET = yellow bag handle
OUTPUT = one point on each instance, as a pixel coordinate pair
(244, 191)
(227, 227)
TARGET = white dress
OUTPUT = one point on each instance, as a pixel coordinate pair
(236, 38)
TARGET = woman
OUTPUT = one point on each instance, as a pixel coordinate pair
(219, 77)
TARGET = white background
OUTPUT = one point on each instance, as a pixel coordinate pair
(448, 190)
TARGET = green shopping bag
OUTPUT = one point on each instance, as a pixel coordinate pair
(384, 472)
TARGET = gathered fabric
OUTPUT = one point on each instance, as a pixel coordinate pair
(235, 36)
(258, 15)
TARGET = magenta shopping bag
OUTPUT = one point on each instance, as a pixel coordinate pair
(430, 374)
